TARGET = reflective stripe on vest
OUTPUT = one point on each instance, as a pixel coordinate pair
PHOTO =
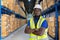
(32, 26)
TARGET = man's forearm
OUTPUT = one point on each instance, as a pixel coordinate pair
(39, 31)
(28, 30)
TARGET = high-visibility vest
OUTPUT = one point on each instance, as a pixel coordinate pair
(32, 26)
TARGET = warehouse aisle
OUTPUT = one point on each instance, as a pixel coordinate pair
(19, 35)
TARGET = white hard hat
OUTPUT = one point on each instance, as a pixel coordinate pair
(38, 6)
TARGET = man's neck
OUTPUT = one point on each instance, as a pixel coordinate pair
(37, 16)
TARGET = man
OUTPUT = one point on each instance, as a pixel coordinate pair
(37, 26)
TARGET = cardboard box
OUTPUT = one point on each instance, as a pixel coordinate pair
(23, 22)
(59, 24)
(59, 33)
(45, 4)
(11, 29)
(20, 23)
(12, 26)
(4, 24)
(12, 15)
(5, 17)
(12, 18)
(4, 34)
(4, 3)
(5, 31)
(41, 3)
(19, 10)
(47, 19)
(51, 31)
(8, 3)
(51, 24)
(16, 8)
(50, 3)
(11, 6)
(59, 18)
(52, 19)
(52, 34)
(16, 24)
(22, 5)
(6, 27)
(59, 30)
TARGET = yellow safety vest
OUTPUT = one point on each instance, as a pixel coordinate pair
(32, 26)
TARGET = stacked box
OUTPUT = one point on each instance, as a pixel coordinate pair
(19, 10)
(50, 2)
(51, 26)
(20, 23)
(5, 25)
(12, 22)
(4, 3)
(59, 26)
(51, 21)
(8, 3)
(44, 4)
(11, 6)
(16, 8)
(22, 5)
(59, 30)
(22, 13)
(23, 21)
(16, 23)
(59, 18)
(41, 3)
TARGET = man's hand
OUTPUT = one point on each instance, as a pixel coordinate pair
(39, 32)
(28, 30)
(31, 30)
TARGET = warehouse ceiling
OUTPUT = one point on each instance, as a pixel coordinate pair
(29, 4)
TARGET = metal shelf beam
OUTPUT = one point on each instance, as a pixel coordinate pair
(5, 10)
(51, 9)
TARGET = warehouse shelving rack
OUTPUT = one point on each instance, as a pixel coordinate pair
(5, 10)
(55, 8)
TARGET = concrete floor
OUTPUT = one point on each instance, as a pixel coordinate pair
(19, 35)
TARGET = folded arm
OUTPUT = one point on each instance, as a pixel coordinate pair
(28, 30)
(40, 31)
